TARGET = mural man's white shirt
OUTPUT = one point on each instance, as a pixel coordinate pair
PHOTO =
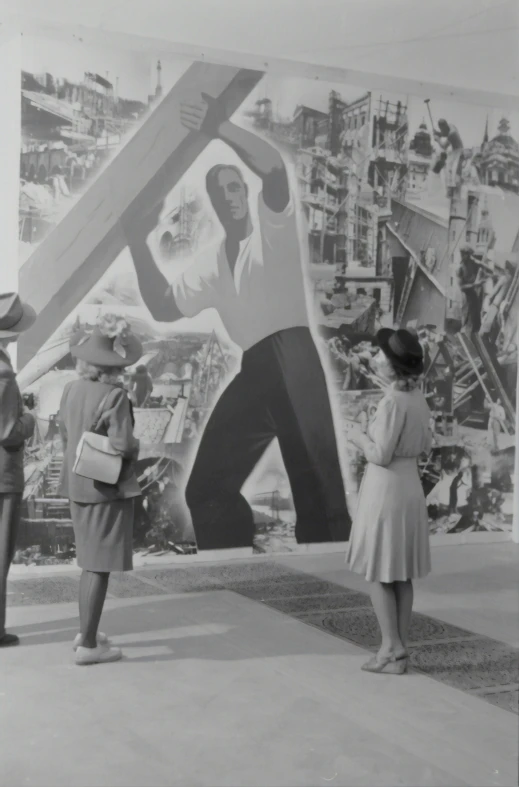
(266, 293)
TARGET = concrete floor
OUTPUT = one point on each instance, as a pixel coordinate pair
(217, 689)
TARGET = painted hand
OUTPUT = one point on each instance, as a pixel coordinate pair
(205, 114)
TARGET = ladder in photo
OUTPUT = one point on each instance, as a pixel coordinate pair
(484, 368)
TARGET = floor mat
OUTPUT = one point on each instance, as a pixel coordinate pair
(462, 659)
(459, 658)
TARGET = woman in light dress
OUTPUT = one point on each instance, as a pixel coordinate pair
(389, 542)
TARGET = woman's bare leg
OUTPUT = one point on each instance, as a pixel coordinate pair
(383, 598)
(92, 593)
(404, 600)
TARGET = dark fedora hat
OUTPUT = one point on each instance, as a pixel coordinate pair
(100, 349)
(15, 316)
(402, 348)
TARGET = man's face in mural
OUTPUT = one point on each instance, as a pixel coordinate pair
(229, 196)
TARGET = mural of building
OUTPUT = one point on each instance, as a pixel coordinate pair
(388, 158)
(323, 182)
(69, 130)
(310, 126)
(348, 162)
(500, 159)
(356, 119)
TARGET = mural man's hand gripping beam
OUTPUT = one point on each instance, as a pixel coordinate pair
(254, 277)
(261, 158)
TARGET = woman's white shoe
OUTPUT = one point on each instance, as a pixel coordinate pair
(100, 655)
(102, 639)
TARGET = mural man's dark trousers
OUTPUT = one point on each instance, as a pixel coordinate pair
(10, 512)
(280, 392)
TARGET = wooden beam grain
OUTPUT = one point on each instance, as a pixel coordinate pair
(79, 250)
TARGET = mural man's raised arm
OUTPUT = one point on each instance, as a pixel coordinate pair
(207, 116)
(153, 285)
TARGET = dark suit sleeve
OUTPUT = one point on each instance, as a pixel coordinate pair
(119, 426)
(15, 429)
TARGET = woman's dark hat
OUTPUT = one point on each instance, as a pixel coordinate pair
(402, 348)
(15, 316)
(101, 350)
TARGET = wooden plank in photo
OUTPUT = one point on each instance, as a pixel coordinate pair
(79, 250)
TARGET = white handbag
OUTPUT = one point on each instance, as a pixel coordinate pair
(96, 459)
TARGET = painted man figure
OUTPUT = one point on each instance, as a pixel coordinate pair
(470, 280)
(496, 422)
(449, 139)
(16, 426)
(254, 278)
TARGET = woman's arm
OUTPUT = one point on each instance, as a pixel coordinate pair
(386, 431)
(153, 285)
(120, 430)
(61, 418)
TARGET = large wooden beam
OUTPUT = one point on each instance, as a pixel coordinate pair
(79, 250)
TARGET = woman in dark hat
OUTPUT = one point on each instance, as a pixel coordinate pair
(389, 542)
(102, 515)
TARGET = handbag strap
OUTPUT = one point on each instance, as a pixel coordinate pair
(98, 415)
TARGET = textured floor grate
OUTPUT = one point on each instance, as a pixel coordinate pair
(462, 659)
(459, 658)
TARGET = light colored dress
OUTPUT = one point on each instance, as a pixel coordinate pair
(389, 540)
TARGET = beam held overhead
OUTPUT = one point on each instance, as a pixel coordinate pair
(81, 247)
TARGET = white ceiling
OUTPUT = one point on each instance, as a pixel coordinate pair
(468, 44)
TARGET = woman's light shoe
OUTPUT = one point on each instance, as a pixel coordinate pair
(102, 639)
(100, 655)
(386, 664)
(398, 666)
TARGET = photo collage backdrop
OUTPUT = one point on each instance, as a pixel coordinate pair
(328, 212)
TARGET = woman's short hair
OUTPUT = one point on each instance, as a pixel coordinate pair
(90, 371)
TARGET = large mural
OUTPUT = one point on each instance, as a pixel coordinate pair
(256, 232)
